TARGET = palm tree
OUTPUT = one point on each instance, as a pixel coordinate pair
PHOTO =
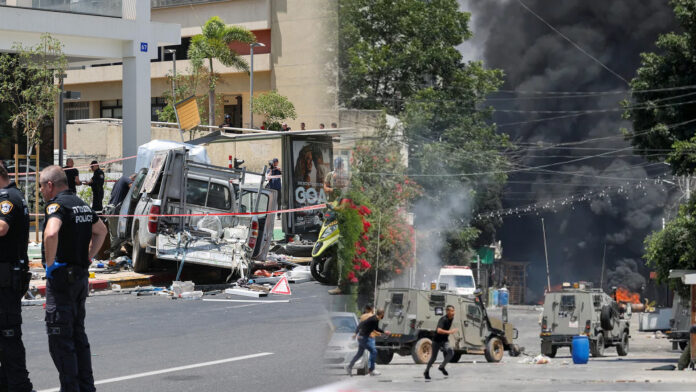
(214, 43)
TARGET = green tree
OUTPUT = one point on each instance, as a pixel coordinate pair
(27, 86)
(663, 119)
(662, 114)
(674, 247)
(401, 55)
(214, 43)
(389, 49)
(457, 157)
(275, 108)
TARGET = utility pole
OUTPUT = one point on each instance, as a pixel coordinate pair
(604, 256)
(546, 253)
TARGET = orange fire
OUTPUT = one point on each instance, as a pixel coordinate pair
(624, 295)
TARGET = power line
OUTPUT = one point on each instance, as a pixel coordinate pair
(572, 42)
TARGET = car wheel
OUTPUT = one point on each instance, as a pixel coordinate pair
(622, 347)
(384, 357)
(422, 350)
(141, 259)
(550, 351)
(597, 347)
(494, 349)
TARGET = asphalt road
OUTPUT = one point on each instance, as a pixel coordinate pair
(473, 373)
(156, 343)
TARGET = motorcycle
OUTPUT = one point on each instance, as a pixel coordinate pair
(325, 250)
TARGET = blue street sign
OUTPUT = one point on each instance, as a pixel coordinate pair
(143, 47)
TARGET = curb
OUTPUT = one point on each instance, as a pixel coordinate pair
(103, 284)
(94, 285)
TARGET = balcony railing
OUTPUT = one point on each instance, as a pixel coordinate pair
(175, 3)
(112, 8)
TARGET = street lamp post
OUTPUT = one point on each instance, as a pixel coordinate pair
(251, 83)
(61, 120)
(173, 53)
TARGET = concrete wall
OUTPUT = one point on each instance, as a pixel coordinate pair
(102, 141)
(305, 43)
(252, 14)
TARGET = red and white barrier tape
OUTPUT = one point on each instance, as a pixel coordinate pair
(308, 208)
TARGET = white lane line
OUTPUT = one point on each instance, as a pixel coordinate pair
(256, 301)
(170, 370)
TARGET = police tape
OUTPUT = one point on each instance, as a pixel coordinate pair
(22, 174)
(307, 208)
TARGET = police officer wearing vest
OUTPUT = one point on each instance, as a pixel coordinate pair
(14, 282)
(73, 235)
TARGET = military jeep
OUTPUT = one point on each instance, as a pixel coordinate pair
(581, 310)
(412, 315)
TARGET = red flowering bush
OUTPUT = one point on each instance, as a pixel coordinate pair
(375, 232)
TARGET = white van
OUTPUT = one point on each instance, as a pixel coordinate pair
(458, 279)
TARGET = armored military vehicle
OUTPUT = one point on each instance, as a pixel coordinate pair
(582, 310)
(412, 315)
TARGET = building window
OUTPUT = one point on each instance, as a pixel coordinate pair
(157, 104)
(76, 110)
(111, 109)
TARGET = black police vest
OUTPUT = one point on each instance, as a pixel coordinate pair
(76, 228)
(14, 211)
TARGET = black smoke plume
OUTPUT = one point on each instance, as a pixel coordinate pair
(535, 58)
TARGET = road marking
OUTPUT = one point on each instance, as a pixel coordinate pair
(170, 370)
(257, 301)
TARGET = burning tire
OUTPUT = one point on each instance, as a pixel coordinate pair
(422, 350)
(494, 349)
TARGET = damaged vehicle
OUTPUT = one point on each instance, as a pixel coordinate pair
(175, 185)
(582, 310)
(412, 316)
(342, 347)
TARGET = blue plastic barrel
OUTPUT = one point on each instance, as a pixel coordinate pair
(581, 349)
(495, 297)
(503, 297)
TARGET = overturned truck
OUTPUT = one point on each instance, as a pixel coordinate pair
(184, 211)
(412, 315)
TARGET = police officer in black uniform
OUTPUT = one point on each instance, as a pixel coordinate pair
(97, 185)
(73, 235)
(14, 282)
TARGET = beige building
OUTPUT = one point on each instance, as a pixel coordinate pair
(298, 61)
